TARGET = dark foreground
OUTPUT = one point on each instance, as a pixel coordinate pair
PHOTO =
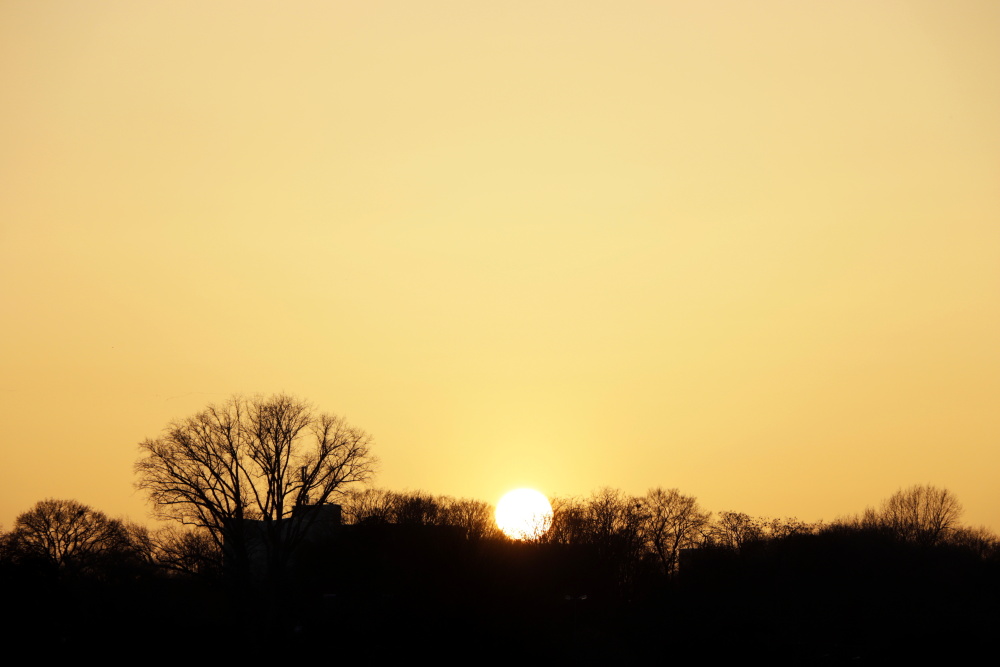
(812, 600)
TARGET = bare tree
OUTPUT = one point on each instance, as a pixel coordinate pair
(980, 541)
(187, 551)
(415, 508)
(570, 522)
(475, 517)
(380, 506)
(734, 530)
(615, 520)
(361, 506)
(396, 507)
(789, 526)
(246, 471)
(66, 532)
(923, 514)
(673, 522)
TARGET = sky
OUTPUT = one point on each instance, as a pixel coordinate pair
(749, 250)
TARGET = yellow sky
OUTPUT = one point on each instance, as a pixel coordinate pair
(746, 249)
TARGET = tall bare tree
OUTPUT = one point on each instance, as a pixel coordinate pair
(248, 470)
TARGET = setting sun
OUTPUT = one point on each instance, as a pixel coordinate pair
(524, 514)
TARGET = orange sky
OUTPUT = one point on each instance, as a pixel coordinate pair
(750, 250)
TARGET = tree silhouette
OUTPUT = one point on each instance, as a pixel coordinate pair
(246, 471)
(475, 517)
(380, 506)
(673, 522)
(922, 514)
(735, 530)
(369, 506)
(67, 532)
(570, 522)
(187, 551)
(615, 522)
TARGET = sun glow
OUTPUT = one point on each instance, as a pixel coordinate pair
(524, 514)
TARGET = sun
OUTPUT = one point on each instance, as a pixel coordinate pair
(524, 514)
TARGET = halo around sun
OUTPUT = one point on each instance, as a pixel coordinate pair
(524, 514)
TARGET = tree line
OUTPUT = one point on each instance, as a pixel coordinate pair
(241, 485)
(652, 531)
(245, 470)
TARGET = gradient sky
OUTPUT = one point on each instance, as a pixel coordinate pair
(750, 250)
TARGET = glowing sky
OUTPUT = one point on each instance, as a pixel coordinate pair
(750, 250)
